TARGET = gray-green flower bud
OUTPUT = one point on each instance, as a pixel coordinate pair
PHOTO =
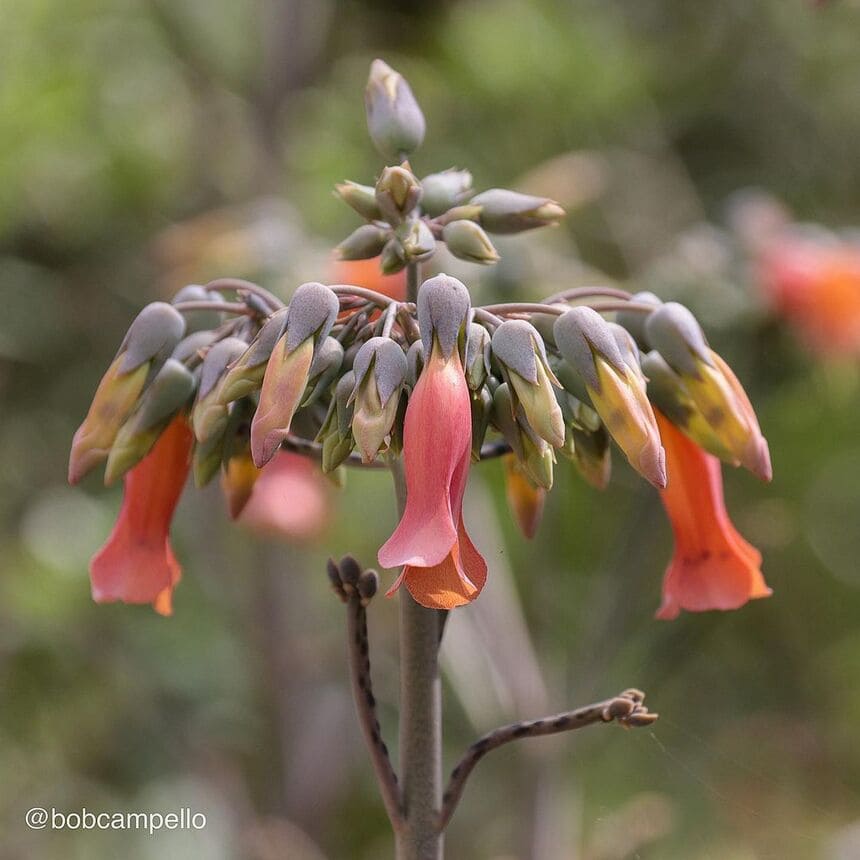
(519, 349)
(398, 192)
(477, 356)
(246, 373)
(443, 191)
(467, 241)
(362, 244)
(361, 198)
(504, 211)
(198, 320)
(416, 240)
(444, 305)
(394, 119)
(168, 392)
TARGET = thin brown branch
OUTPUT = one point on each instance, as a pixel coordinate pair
(351, 585)
(626, 708)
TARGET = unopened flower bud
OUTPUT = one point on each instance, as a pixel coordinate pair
(324, 369)
(209, 416)
(150, 339)
(194, 346)
(246, 374)
(393, 257)
(394, 119)
(467, 241)
(380, 369)
(237, 482)
(444, 305)
(504, 211)
(587, 343)
(397, 193)
(312, 312)
(477, 356)
(363, 244)
(443, 191)
(482, 409)
(414, 363)
(634, 321)
(198, 320)
(674, 332)
(525, 499)
(171, 389)
(361, 198)
(416, 240)
(519, 349)
(533, 453)
(336, 433)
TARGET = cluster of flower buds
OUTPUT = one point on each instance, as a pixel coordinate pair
(347, 375)
(407, 216)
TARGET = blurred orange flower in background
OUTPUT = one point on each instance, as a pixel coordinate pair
(815, 285)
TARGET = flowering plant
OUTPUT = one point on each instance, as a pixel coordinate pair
(229, 378)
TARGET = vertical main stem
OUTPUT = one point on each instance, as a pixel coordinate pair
(420, 721)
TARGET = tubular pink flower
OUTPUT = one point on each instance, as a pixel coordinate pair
(442, 568)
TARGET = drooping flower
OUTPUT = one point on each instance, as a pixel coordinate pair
(442, 569)
(713, 566)
(136, 564)
(289, 499)
(525, 498)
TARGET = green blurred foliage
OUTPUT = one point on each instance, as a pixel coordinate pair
(119, 119)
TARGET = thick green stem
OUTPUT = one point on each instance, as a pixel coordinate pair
(420, 721)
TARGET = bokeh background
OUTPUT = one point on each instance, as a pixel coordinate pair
(146, 144)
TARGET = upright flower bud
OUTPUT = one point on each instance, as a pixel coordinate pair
(363, 244)
(245, 375)
(393, 258)
(150, 339)
(467, 241)
(674, 332)
(504, 211)
(519, 349)
(171, 389)
(397, 193)
(380, 369)
(445, 190)
(394, 119)
(361, 198)
(416, 241)
(588, 344)
(312, 312)
(209, 416)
